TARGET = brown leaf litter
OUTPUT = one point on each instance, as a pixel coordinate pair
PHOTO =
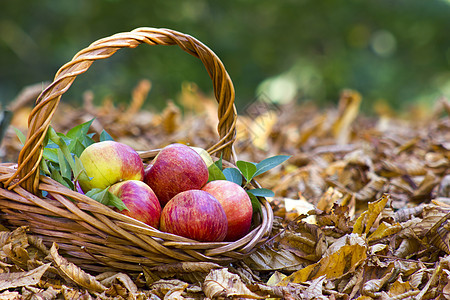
(362, 207)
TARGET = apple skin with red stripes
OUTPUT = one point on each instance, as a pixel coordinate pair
(195, 214)
(140, 200)
(236, 204)
(176, 168)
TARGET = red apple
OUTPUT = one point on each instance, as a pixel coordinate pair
(195, 214)
(176, 168)
(147, 169)
(236, 204)
(109, 162)
(141, 201)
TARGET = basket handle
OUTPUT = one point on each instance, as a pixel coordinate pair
(27, 173)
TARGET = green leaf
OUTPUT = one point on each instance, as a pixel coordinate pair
(69, 183)
(233, 175)
(20, 135)
(98, 195)
(50, 144)
(51, 148)
(77, 147)
(46, 140)
(107, 198)
(80, 131)
(64, 167)
(215, 173)
(270, 163)
(56, 138)
(79, 172)
(64, 139)
(256, 205)
(44, 168)
(87, 141)
(53, 136)
(260, 192)
(218, 163)
(247, 169)
(104, 136)
(51, 154)
(116, 202)
(56, 175)
(79, 135)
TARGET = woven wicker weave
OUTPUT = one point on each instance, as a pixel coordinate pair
(89, 233)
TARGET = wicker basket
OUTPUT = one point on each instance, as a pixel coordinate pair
(89, 233)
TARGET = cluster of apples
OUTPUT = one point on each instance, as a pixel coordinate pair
(172, 193)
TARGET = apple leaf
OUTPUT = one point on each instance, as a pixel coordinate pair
(247, 169)
(116, 202)
(256, 205)
(50, 152)
(260, 192)
(107, 198)
(20, 135)
(79, 131)
(64, 149)
(104, 136)
(76, 147)
(56, 175)
(79, 172)
(98, 195)
(270, 163)
(233, 175)
(64, 166)
(78, 138)
(69, 183)
(44, 168)
(215, 173)
(218, 163)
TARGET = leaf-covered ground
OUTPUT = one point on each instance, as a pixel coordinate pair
(361, 207)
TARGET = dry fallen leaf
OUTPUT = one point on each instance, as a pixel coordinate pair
(342, 162)
(367, 219)
(348, 110)
(338, 264)
(221, 283)
(163, 287)
(74, 273)
(188, 271)
(7, 295)
(315, 290)
(30, 292)
(120, 284)
(16, 279)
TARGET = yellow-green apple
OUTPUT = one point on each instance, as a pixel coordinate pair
(109, 162)
(176, 168)
(204, 154)
(141, 201)
(236, 204)
(195, 214)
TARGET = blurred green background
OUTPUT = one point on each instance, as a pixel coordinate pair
(392, 51)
